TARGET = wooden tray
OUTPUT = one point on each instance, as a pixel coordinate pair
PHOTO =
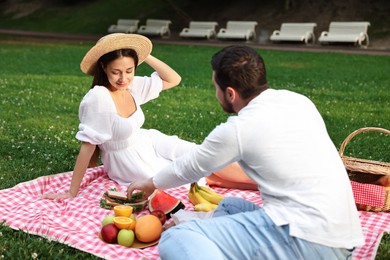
(136, 244)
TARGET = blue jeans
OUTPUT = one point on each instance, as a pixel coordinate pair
(240, 230)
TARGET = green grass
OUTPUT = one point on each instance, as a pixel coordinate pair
(41, 86)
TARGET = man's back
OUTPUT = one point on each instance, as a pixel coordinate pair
(284, 146)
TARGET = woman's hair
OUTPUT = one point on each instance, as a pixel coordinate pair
(100, 77)
(241, 68)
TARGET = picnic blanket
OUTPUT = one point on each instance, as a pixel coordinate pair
(76, 222)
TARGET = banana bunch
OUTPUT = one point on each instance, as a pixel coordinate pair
(203, 198)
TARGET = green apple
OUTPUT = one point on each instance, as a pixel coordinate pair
(126, 237)
(108, 220)
(132, 216)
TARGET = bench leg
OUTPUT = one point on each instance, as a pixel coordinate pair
(251, 37)
(310, 39)
(364, 41)
(166, 34)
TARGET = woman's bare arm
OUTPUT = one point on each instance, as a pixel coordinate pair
(169, 76)
(85, 154)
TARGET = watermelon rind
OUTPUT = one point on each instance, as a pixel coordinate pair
(175, 206)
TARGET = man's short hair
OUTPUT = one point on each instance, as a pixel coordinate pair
(241, 68)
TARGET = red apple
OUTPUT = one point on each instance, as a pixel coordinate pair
(160, 214)
(109, 233)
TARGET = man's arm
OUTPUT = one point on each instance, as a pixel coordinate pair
(218, 150)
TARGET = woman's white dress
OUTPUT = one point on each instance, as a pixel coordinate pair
(128, 152)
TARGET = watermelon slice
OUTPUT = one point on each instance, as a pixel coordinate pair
(163, 201)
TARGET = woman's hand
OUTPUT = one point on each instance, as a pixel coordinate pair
(55, 196)
(144, 185)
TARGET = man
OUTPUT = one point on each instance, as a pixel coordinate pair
(280, 140)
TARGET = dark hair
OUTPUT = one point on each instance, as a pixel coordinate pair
(99, 76)
(241, 68)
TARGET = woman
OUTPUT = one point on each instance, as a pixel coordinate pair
(111, 117)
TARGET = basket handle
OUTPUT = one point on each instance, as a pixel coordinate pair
(361, 130)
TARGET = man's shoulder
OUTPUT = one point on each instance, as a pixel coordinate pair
(283, 95)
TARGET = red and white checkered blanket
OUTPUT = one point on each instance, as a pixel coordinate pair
(368, 194)
(77, 222)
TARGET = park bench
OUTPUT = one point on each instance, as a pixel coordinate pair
(238, 30)
(198, 29)
(155, 27)
(353, 32)
(124, 26)
(302, 32)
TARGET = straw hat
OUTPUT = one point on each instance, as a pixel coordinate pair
(115, 41)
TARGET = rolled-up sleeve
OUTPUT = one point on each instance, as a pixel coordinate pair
(218, 150)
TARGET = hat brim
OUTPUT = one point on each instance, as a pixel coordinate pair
(116, 41)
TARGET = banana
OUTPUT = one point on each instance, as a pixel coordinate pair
(215, 199)
(205, 207)
(191, 196)
(196, 186)
(208, 194)
(208, 190)
(202, 200)
(199, 198)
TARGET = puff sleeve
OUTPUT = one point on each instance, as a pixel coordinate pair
(146, 88)
(96, 115)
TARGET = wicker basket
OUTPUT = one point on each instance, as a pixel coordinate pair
(367, 171)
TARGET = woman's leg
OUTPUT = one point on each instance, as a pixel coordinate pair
(172, 147)
(169, 147)
(232, 176)
(215, 180)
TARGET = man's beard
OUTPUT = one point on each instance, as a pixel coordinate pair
(227, 107)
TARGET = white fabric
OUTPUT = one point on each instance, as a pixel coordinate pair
(281, 142)
(183, 216)
(128, 152)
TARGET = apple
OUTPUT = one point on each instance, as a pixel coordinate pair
(132, 216)
(125, 237)
(160, 214)
(109, 233)
(107, 220)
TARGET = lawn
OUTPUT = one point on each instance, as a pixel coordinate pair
(41, 86)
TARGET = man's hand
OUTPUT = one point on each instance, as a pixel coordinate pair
(145, 185)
